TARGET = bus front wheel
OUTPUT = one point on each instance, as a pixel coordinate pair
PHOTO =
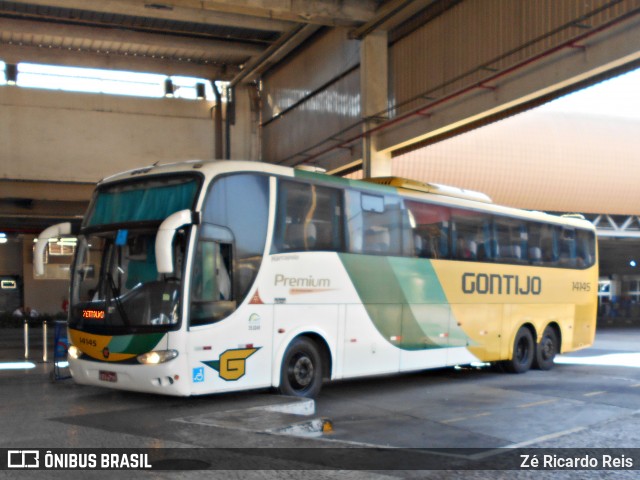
(523, 352)
(301, 372)
(546, 350)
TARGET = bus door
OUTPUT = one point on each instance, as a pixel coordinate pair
(229, 346)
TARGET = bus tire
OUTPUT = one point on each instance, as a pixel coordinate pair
(523, 352)
(546, 350)
(301, 371)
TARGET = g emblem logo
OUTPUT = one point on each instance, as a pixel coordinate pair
(232, 363)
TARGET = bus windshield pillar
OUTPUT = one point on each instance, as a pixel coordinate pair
(164, 239)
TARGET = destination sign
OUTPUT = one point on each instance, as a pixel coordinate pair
(95, 314)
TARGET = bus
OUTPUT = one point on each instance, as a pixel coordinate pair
(204, 277)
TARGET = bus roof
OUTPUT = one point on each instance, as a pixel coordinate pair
(441, 194)
(434, 188)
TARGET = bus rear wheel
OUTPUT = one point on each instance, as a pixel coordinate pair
(546, 350)
(301, 372)
(523, 352)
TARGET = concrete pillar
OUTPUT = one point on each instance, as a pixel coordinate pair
(374, 76)
(242, 125)
(616, 288)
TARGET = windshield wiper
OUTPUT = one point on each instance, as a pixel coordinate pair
(116, 297)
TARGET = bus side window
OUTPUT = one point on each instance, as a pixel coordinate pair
(568, 247)
(544, 244)
(354, 221)
(551, 247)
(308, 218)
(511, 240)
(472, 237)
(430, 224)
(376, 224)
(585, 245)
(534, 233)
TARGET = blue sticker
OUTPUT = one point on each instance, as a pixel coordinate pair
(121, 237)
(198, 375)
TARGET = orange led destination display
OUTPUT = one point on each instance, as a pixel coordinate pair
(97, 314)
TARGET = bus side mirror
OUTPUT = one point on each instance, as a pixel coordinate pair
(54, 231)
(164, 239)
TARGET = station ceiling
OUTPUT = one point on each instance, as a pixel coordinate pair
(233, 40)
(229, 40)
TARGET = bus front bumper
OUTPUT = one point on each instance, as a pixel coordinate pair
(165, 379)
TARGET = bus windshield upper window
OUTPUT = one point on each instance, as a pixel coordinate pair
(142, 200)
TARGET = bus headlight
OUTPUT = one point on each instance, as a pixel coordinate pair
(158, 356)
(74, 352)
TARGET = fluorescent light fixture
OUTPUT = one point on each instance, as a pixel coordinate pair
(16, 365)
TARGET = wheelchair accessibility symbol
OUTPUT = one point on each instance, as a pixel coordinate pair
(198, 375)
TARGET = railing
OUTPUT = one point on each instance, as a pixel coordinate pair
(45, 352)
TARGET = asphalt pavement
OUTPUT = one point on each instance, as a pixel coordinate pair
(448, 423)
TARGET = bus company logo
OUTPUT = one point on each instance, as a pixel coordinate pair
(301, 282)
(105, 352)
(303, 285)
(232, 363)
(23, 459)
(494, 284)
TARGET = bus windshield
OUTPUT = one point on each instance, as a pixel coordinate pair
(116, 286)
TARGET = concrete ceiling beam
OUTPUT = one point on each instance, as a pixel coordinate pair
(191, 11)
(206, 47)
(88, 59)
(320, 12)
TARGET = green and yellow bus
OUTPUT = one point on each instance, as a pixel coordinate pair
(205, 277)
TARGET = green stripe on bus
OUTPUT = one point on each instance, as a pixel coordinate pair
(135, 344)
(404, 298)
(341, 182)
